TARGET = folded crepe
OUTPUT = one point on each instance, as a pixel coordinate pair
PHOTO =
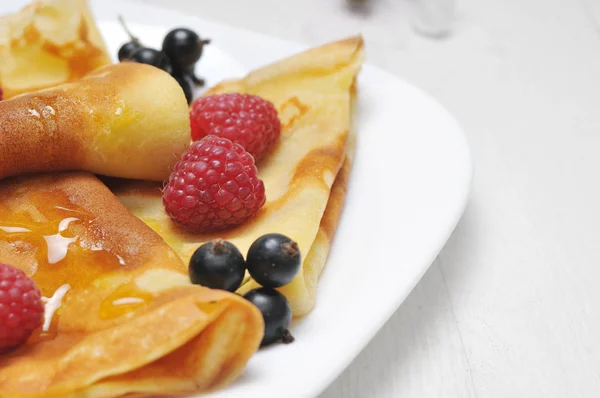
(47, 43)
(313, 93)
(127, 120)
(122, 317)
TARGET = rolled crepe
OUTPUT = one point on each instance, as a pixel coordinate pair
(313, 93)
(126, 120)
(122, 316)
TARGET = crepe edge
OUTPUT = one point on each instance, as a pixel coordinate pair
(215, 339)
(333, 55)
(316, 258)
(225, 355)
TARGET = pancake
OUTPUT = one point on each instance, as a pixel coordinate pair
(47, 43)
(128, 320)
(313, 93)
(108, 123)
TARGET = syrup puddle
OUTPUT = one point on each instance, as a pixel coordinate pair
(97, 247)
(58, 245)
(52, 304)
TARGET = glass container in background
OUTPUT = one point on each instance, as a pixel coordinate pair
(433, 18)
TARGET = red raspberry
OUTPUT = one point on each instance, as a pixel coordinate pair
(21, 308)
(247, 120)
(213, 186)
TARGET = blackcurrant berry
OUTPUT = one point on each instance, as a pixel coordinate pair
(184, 48)
(217, 264)
(127, 50)
(273, 260)
(152, 57)
(276, 312)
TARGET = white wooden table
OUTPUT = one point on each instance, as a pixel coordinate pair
(511, 308)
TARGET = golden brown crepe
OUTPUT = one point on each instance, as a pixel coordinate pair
(127, 120)
(313, 93)
(47, 43)
(130, 321)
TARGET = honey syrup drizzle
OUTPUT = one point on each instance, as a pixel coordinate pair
(125, 299)
(49, 329)
(48, 235)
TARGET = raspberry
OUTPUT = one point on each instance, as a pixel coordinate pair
(21, 308)
(213, 186)
(247, 120)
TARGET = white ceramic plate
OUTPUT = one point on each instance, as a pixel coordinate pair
(408, 189)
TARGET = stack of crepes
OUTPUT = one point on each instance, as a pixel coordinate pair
(121, 314)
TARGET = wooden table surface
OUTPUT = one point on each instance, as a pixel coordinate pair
(511, 308)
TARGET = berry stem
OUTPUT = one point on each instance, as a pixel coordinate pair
(197, 80)
(287, 337)
(124, 25)
(290, 249)
(219, 246)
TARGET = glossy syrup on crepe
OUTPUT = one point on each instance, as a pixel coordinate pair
(59, 260)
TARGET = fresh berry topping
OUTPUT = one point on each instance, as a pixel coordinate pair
(218, 265)
(21, 308)
(213, 186)
(184, 47)
(152, 57)
(273, 260)
(127, 50)
(276, 312)
(245, 119)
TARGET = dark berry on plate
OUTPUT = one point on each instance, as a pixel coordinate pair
(276, 312)
(127, 50)
(184, 47)
(217, 264)
(273, 260)
(152, 57)
(187, 85)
